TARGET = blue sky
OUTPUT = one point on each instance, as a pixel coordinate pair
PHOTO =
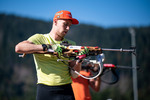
(106, 13)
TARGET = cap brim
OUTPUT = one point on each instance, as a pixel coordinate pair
(74, 21)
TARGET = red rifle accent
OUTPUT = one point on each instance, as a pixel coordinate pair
(109, 65)
(82, 56)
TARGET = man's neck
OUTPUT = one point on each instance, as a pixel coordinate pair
(55, 37)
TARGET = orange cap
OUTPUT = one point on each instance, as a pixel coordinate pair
(63, 14)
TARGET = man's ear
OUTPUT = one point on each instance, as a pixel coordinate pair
(55, 21)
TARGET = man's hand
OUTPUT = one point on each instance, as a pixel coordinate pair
(83, 53)
(58, 49)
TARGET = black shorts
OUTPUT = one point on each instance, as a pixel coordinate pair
(63, 92)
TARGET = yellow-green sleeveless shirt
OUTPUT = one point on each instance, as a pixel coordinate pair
(49, 71)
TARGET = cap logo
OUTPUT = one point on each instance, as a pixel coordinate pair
(69, 15)
(59, 13)
(58, 16)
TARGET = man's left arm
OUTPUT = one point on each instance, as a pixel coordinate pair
(95, 83)
(76, 65)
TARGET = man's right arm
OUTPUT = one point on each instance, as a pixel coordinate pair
(27, 47)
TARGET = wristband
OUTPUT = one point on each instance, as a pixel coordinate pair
(44, 47)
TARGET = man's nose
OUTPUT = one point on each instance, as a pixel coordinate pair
(68, 27)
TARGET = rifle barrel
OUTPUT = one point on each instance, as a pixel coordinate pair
(127, 67)
(121, 50)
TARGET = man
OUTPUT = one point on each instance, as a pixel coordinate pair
(54, 79)
(81, 86)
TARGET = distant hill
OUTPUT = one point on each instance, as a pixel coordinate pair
(18, 75)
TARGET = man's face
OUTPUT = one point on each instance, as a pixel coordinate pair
(63, 27)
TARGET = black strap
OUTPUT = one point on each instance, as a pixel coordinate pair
(114, 73)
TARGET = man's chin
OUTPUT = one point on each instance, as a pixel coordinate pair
(65, 33)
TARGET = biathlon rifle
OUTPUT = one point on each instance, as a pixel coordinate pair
(69, 50)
